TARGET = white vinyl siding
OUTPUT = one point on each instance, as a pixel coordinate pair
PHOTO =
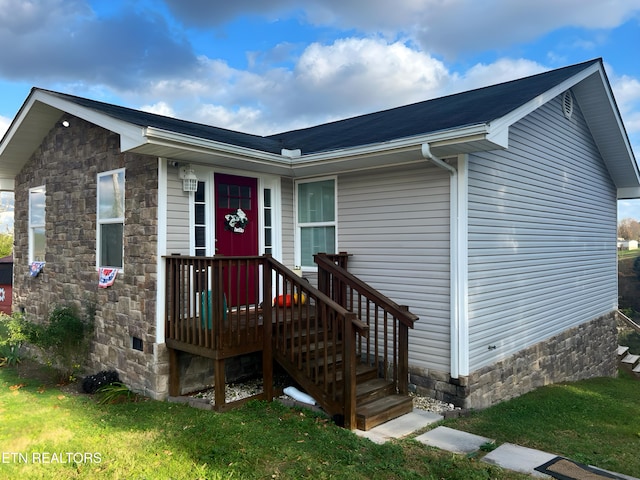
(542, 236)
(177, 215)
(286, 185)
(395, 223)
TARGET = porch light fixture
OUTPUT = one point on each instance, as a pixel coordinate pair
(189, 179)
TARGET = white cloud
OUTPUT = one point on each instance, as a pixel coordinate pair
(445, 27)
(159, 108)
(627, 92)
(4, 125)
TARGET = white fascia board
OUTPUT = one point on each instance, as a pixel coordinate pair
(503, 123)
(157, 136)
(131, 135)
(17, 121)
(448, 136)
(628, 193)
(7, 184)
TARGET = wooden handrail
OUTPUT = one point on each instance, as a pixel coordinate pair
(628, 321)
(388, 344)
(323, 359)
(401, 313)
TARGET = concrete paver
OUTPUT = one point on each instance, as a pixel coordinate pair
(508, 456)
(453, 440)
(401, 426)
(519, 459)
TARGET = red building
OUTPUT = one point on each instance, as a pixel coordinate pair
(6, 283)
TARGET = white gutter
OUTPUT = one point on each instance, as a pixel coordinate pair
(457, 260)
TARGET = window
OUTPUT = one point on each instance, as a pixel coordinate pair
(200, 220)
(37, 240)
(110, 218)
(316, 219)
(268, 221)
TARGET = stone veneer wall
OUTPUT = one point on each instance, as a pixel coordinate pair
(67, 163)
(585, 351)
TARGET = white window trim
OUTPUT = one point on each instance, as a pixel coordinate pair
(207, 179)
(273, 184)
(298, 226)
(42, 188)
(100, 222)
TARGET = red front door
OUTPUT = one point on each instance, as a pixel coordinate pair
(236, 214)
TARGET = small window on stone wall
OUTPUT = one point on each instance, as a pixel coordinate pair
(110, 219)
(37, 238)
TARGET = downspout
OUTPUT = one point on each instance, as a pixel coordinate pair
(454, 263)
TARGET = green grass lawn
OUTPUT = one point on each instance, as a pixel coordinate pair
(49, 432)
(594, 421)
(46, 432)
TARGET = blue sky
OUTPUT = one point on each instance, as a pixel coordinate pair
(263, 66)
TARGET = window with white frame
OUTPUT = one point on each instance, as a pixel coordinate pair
(200, 220)
(316, 219)
(267, 207)
(37, 238)
(110, 218)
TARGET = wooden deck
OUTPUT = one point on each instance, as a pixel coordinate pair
(211, 311)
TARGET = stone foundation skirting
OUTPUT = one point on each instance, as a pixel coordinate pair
(585, 351)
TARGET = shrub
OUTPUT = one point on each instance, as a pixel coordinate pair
(13, 333)
(116, 392)
(64, 340)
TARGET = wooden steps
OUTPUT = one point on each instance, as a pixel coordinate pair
(376, 398)
(383, 409)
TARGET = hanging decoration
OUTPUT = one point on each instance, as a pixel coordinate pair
(35, 268)
(236, 222)
(107, 277)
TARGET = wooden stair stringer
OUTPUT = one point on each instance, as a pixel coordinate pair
(376, 399)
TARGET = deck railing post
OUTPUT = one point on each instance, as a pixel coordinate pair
(267, 349)
(403, 356)
(349, 338)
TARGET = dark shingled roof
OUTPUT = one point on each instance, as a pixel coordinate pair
(473, 107)
(144, 119)
(454, 111)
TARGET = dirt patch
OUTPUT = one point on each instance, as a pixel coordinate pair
(45, 376)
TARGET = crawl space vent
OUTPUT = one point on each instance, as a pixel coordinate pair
(567, 104)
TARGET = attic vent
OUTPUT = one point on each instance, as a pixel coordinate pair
(567, 104)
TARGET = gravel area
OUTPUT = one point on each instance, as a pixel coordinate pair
(238, 391)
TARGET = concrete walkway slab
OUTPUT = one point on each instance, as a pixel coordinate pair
(401, 426)
(519, 459)
(452, 440)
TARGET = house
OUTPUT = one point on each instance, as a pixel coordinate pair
(627, 244)
(490, 214)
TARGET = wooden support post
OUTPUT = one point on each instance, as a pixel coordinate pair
(267, 332)
(349, 335)
(219, 383)
(174, 373)
(403, 357)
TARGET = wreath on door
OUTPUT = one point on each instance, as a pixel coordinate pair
(236, 222)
